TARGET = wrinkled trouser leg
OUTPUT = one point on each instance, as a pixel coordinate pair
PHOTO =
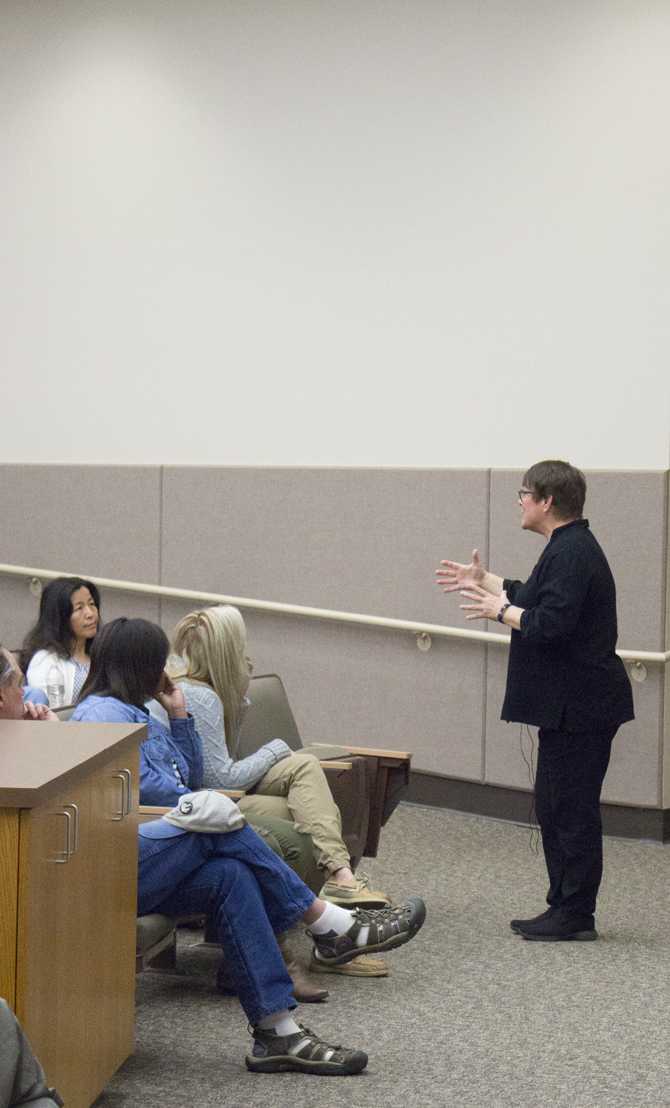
(249, 893)
(301, 782)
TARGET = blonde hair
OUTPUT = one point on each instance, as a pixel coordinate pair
(212, 645)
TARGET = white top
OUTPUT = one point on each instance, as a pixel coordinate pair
(39, 667)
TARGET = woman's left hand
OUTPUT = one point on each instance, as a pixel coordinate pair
(485, 605)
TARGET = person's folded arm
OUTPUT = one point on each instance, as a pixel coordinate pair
(220, 770)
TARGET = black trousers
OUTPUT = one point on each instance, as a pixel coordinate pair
(571, 768)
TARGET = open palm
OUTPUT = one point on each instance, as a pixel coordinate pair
(453, 576)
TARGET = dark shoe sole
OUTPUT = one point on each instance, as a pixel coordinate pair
(575, 937)
(287, 1063)
(416, 923)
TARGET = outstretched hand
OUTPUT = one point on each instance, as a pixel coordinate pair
(456, 575)
(484, 604)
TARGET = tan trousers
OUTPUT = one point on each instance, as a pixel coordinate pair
(296, 789)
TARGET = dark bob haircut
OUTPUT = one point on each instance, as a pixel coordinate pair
(52, 630)
(127, 661)
(563, 482)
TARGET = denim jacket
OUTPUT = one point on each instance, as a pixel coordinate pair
(170, 758)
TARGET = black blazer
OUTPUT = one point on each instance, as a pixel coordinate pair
(563, 673)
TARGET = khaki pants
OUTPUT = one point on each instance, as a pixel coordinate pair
(297, 850)
(296, 789)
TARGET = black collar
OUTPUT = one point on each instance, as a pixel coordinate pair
(566, 527)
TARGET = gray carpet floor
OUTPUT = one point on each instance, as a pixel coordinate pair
(471, 1015)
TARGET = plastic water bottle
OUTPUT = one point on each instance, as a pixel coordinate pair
(55, 686)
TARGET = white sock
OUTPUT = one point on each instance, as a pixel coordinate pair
(337, 919)
(280, 1022)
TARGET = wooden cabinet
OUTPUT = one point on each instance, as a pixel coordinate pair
(75, 860)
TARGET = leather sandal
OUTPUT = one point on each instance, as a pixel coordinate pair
(387, 929)
(302, 1052)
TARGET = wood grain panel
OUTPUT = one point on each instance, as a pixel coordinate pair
(55, 996)
(113, 851)
(9, 855)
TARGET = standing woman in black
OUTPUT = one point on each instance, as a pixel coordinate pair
(563, 677)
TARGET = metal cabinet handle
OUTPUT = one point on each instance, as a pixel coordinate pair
(75, 835)
(118, 816)
(68, 827)
(129, 789)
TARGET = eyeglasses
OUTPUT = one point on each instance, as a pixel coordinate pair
(524, 492)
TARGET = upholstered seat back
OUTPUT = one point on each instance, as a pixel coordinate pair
(269, 716)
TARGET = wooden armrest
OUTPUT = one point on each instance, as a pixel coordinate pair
(375, 752)
(146, 812)
(335, 765)
(234, 794)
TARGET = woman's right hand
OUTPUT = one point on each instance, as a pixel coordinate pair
(455, 575)
(172, 698)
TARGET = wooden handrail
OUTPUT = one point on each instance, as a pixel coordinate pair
(34, 574)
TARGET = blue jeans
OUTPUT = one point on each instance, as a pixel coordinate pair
(249, 893)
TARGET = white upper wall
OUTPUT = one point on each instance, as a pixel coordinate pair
(404, 232)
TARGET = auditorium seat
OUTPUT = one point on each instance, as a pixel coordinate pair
(367, 794)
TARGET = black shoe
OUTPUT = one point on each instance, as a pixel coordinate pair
(560, 927)
(387, 929)
(518, 924)
(302, 1052)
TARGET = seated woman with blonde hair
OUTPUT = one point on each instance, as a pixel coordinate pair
(213, 672)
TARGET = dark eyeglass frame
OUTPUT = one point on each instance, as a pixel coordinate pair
(524, 492)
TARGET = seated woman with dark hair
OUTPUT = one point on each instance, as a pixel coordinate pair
(56, 650)
(248, 892)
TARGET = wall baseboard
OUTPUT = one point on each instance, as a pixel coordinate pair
(499, 802)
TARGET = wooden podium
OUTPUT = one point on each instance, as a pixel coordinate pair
(68, 895)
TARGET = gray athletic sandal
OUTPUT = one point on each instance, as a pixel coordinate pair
(387, 929)
(302, 1052)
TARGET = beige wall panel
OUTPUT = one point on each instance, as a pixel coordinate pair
(361, 540)
(666, 721)
(633, 776)
(374, 687)
(627, 515)
(19, 611)
(96, 520)
(504, 762)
